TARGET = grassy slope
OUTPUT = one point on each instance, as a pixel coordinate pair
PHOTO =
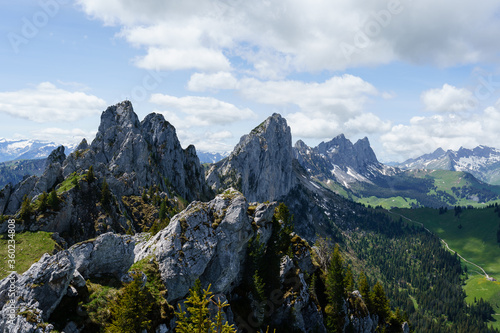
(476, 241)
(478, 287)
(444, 180)
(30, 246)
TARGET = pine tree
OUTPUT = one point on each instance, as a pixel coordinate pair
(198, 320)
(380, 303)
(53, 200)
(105, 194)
(43, 202)
(349, 280)
(285, 229)
(130, 310)
(90, 175)
(163, 210)
(335, 290)
(26, 210)
(364, 290)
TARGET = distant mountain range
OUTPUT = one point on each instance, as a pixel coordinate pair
(482, 162)
(26, 149)
(211, 157)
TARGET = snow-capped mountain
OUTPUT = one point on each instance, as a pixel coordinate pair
(482, 162)
(341, 160)
(25, 149)
(211, 157)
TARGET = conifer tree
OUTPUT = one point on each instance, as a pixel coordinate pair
(53, 200)
(26, 210)
(380, 303)
(163, 210)
(43, 202)
(335, 290)
(90, 175)
(105, 194)
(198, 320)
(130, 310)
(364, 290)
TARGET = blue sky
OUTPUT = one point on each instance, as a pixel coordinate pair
(411, 76)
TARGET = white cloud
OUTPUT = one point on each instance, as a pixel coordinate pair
(47, 103)
(63, 136)
(448, 99)
(216, 81)
(274, 36)
(207, 141)
(176, 59)
(324, 109)
(448, 131)
(201, 111)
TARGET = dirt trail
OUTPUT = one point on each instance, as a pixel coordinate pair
(448, 247)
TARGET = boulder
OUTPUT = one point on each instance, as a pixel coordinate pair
(108, 254)
(38, 292)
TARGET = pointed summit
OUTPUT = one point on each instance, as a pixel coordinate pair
(260, 165)
(133, 155)
(121, 115)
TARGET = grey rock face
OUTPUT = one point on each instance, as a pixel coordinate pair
(341, 160)
(38, 292)
(56, 156)
(4, 197)
(206, 241)
(19, 191)
(133, 155)
(108, 254)
(260, 165)
(34, 185)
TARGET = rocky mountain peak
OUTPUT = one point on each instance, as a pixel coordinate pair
(260, 165)
(121, 115)
(56, 156)
(341, 160)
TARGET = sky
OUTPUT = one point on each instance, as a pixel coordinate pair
(411, 76)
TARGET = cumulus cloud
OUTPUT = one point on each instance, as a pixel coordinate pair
(275, 36)
(201, 111)
(206, 141)
(216, 81)
(324, 109)
(448, 99)
(63, 136)
(47, 103)
(448, 131)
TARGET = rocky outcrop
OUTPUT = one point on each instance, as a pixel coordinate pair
(260, 165)
(133, 155)
(108, 254)
(206, 241)
(33, 185)
(38, 292)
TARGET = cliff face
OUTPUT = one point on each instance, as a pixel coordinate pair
(133, 155)
(260, 164)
